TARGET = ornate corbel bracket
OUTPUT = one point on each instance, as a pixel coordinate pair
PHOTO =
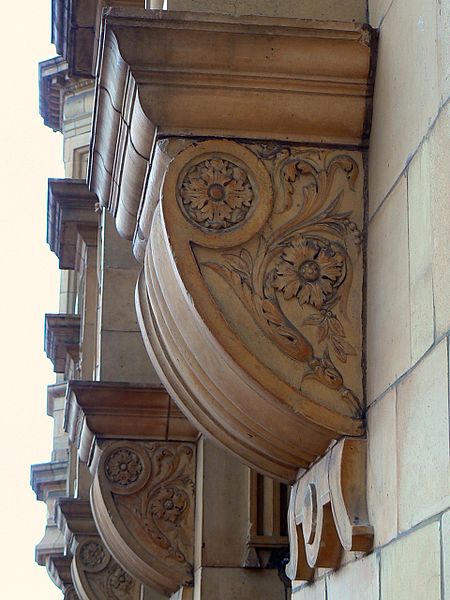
(143, 499)
(327, 512)
(141, 452)
(250, 303)
(95, 573)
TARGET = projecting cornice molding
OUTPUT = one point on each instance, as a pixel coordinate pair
(47, 478)
(115, 410)
(141, 452)
(246, 77)
(70, 213)
(62, 339)
(95, 573)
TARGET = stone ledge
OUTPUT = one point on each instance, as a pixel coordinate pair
(70, 211)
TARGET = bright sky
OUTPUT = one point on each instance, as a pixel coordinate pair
(29, 154)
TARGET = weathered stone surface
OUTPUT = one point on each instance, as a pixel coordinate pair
(445, 533)
(423, 440)
(238, 584)
(355, 581)
(382, 468)
(410, 566)
(388, 313)
(406, 97)
(439, 176)
(345, 10)
(420, 254)
(312, 591)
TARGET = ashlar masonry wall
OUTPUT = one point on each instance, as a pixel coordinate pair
(408, 315)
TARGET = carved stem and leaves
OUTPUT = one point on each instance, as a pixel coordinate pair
(302, 256)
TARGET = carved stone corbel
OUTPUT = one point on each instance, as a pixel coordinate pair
(250, 302)
(327, 512)
(58, 567)
(143, 499)
(141, 451)
(62, 340)
(95, 573)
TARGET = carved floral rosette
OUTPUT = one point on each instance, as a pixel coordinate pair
(250, 302)
(97, 575)
(142, 499)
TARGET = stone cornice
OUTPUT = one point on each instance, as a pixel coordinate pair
(55, 392)
(118, 410)
(46, 477)
(278, 79)
(70, 211)
(54, 84)
(52, 78)
(75, 31)
(74, 518)
(62, 338)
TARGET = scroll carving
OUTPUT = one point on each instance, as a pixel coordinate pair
(251, 300)
(143, 502)
(327, 512)
(97, 575)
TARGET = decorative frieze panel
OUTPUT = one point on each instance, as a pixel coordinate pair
(327, 512)
(143, 501)
(251, 298)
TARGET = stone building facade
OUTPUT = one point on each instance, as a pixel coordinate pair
(251, 354)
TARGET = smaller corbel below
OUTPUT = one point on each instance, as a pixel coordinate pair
(141, 451)
(58, 567)
(95, 573)
(327, 512)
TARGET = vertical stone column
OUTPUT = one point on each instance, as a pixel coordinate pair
(222, 530)
(121, 354)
